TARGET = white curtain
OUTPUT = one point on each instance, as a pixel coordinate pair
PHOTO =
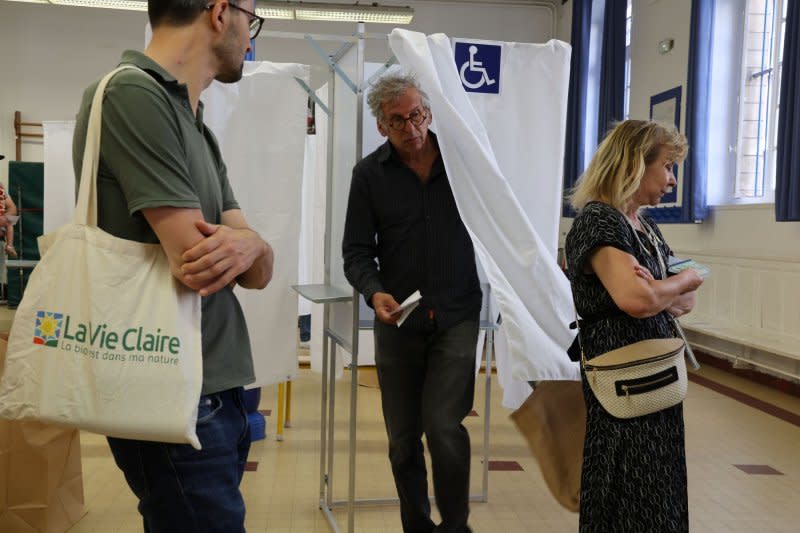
(59, 178)
(306, 251)
(260, 123)
(503, 155)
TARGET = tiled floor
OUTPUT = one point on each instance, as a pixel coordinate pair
(744, 465)
(734, 452)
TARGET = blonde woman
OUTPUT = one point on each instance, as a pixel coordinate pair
(634, 470)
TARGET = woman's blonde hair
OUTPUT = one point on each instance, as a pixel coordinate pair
(616, 170)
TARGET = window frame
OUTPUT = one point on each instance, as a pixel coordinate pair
(628, 33)
(773, 97)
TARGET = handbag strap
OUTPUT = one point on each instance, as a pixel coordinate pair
(656, 241)
(85, 213)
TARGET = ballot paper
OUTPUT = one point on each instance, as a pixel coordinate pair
(408, 305)
(679, 265)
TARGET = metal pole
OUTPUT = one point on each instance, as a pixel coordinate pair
(323, 435)
(326, 453)
(331, 413)
(351, 492)
(488, 410)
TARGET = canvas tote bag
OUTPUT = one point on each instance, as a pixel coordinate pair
(104, 339)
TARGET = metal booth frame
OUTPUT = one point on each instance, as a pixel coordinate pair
(328, 294)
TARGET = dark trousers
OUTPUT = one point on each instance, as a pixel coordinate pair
(183, 490)
(427, 382)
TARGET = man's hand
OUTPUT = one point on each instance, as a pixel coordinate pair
(221, 256)
(206, 257)
(385, 307)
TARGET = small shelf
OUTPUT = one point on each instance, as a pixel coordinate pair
(323, 294)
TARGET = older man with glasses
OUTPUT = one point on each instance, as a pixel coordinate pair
(161, 179)
(402, 213)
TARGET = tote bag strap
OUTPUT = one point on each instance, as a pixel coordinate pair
(85, 213)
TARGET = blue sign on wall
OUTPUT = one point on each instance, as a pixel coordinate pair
(479, 67)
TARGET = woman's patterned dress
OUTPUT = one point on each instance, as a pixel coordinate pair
(634, 470)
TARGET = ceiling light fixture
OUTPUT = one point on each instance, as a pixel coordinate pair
(289, 10)
(274, 10)
(129, 5)
(346, 12)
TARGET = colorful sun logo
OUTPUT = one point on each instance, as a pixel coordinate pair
(48, 328)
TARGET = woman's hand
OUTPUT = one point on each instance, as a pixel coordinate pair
(633, 287)
(690, 278)
(682, 304)
(643, 273)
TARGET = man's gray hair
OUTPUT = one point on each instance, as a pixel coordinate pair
(391, 87)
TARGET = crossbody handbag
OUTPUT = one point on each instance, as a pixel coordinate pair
(645, 376)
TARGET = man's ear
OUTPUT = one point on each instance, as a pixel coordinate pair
(382, 129)
(216, 15)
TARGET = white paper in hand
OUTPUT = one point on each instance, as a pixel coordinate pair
(408, 305)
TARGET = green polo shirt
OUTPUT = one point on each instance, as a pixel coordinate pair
(155, 152)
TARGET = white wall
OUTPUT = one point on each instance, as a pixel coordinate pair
(564, 22)
(733, 235)
(51, 53)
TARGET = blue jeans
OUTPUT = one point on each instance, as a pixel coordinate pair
(427, 381)
(181, 489)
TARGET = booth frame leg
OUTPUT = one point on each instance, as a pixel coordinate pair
(281, 409)
(287, 423)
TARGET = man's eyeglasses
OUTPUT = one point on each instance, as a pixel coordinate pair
(399, 123)
(255, 21)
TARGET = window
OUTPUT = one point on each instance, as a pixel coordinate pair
(762, 52)
(628, 22)
(590, 140)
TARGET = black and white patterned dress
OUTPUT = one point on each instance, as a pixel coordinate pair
(634, 470)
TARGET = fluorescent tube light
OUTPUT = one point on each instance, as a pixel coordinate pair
(129, 5)
(289, 10)
(275, 12)
(342, 12)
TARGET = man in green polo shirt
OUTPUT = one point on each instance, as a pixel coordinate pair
(162, 180)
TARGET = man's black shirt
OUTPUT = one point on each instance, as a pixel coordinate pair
(417, 236)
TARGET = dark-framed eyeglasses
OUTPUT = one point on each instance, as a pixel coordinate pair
(254, 20)
(399, 123)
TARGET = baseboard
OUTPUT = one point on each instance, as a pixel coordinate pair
(762, 378)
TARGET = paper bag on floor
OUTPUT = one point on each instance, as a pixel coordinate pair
(41, 486)
(553, 421)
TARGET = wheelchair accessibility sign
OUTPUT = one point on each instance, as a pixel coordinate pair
(479, 66)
